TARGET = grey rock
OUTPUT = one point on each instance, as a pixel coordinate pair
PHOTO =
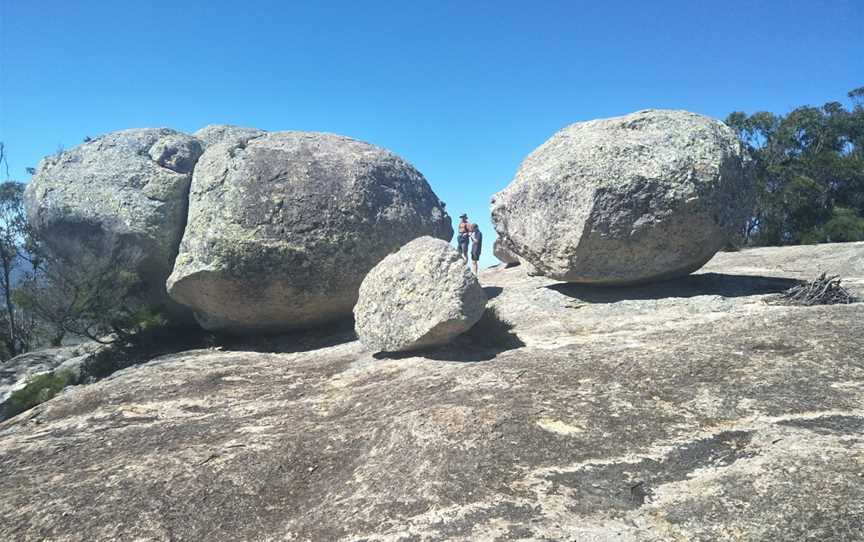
(130, 186)
(421, 296)
(504, 252)
(16, 372)
(683, 410)
(283, 228)
(227, 134)
(643, 197)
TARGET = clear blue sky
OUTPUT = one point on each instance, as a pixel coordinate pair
(463, 90)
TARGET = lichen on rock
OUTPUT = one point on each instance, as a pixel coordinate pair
(284, 226)
(638, 198)
(130, 186)
(419, 297)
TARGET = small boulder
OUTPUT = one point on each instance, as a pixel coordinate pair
(419, 297)
(283, 228)
(129, 187)
(643, 197)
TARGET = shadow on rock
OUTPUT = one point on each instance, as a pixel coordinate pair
(302, 340)
(483, 342)
(690, 286)
(147, 346)
(492, 291)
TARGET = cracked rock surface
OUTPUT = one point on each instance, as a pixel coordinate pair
(689, 410)
(283, 228)
(632, 199)
(129, 185)
(422, 295)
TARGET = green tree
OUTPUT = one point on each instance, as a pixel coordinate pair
(810, 172)
(16, 326)
(88, 287)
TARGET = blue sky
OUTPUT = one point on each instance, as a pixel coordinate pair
(463, 90)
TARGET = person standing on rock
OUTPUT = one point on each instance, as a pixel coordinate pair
(462, 236)
(476, 245)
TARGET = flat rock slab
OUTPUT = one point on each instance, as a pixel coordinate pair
(695, 412)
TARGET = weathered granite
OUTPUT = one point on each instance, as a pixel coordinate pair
(226, 133)
(504, 252)
(130, 187)
(283, 228)
(17, 371)
(422, 295)
(632, 199)
(687, 410)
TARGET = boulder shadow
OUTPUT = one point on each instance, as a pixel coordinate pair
(492, 291)
(301, 340)
(489, 337)
(718, 284)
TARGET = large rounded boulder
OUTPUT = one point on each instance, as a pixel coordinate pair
(283, 228)
(419, 297)
(126, 189)
(647, 196)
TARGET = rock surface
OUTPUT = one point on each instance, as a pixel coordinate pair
(283, 228)
(423, 295)
(504, 252)
(687, 410)
(226, 133)
(15, 372)
(130, 186)
(633, 199)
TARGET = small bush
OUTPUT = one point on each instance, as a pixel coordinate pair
(39, 389)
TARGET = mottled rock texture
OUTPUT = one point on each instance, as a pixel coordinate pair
(130, 186)
(643, 197)
(16, 372)
(504, 252)
(688, 410)
(283, 228)
(226, 133)
(421, 296)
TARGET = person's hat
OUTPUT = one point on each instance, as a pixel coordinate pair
(463, 215)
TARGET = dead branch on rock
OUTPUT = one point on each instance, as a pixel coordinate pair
(823, 290)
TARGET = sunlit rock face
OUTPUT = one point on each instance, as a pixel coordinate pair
(225, 133)
(421, 296)
(283, 227)
(642, 197)
(129, 187)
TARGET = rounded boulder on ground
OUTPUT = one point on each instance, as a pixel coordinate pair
(283, 228)
(642, 197)
(128, 187)
(419, 297)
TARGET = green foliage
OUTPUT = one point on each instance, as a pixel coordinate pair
(810, 172)
(90, 287)
(17, 328)
(844, 225)
(39, 389)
